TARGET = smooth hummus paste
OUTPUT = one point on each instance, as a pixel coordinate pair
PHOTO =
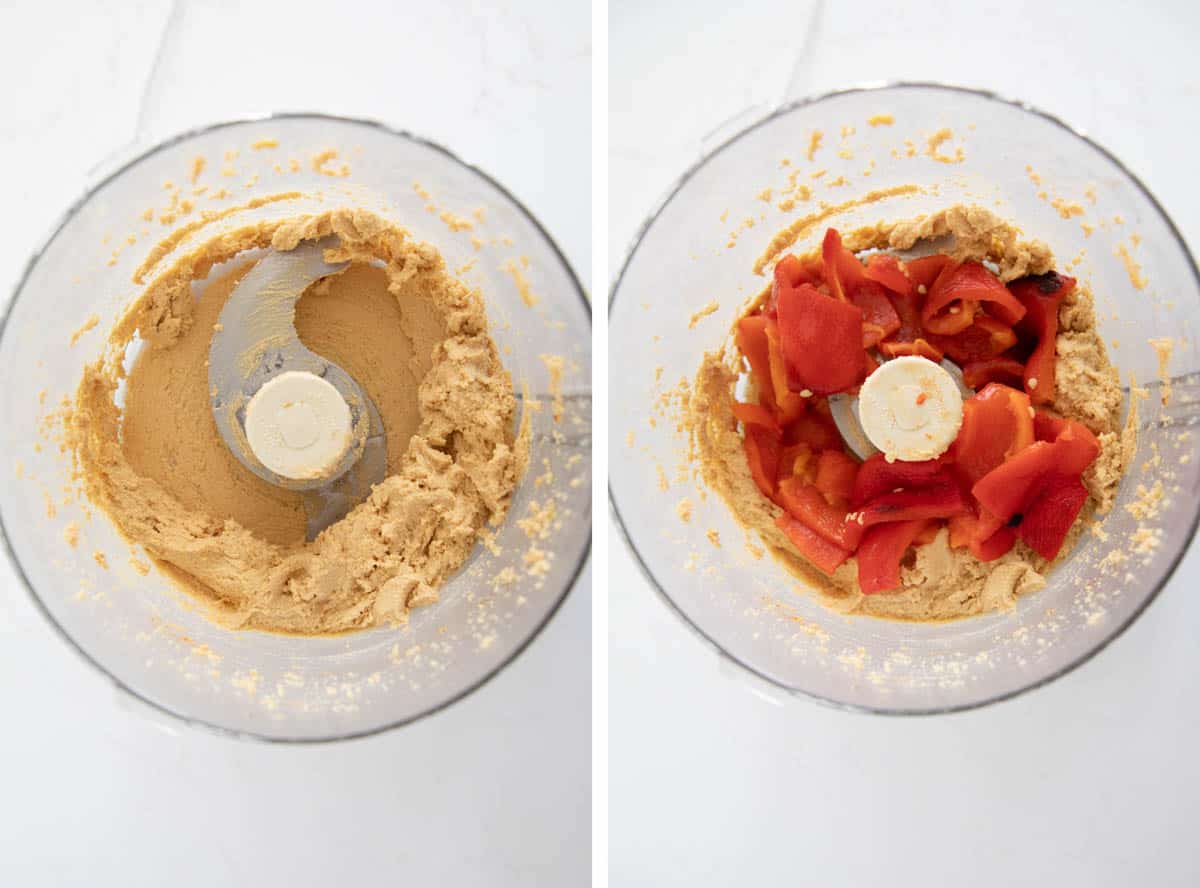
(939, 583)
(416, 340)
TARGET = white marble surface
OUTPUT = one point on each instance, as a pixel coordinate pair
(1092, 781)
(493, 791)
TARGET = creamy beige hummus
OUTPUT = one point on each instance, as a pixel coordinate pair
(940, 583)
(417, 341)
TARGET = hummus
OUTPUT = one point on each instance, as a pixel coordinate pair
(416, 340)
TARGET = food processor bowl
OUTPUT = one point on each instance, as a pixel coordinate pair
(854, 153)
(143, 631)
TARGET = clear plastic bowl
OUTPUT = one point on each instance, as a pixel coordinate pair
(753, 610)
(144, 633)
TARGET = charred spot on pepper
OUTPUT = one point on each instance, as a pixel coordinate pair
(1050, 282)
(1015, 520)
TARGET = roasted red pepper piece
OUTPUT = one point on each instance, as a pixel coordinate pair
(835, 477)
(879, 315)
(819, 551)
(924, 272)
(983, 533)
(941, 500)
(788, 405)
(885, 269)
(1010, 487)
(808, 505)
(798, 461)
(877, 476)
(791, 271)
(985, 338)
(996, 425)
(762, 455)
(920, 347)
(1049, 515)
(751, 341)
(815, 428)
(880, 553)
(1041, 297)
(821, 339)
(1007, 371)
(756, 415)
(966, 287)
(843, 272)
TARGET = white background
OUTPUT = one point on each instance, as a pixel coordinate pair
(1092, 781)
(493, 791)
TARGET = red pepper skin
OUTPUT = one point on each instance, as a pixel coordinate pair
(843, 272)
(1041, 297)
(880, 319)
(757, 415)
(751, 341)
(880, 553)
(822, 340)
(762, 455)
(942, 500)
(886, 270)
(820, 552)
(996, 545)
(789, 405)
(1007, 371)
(835, 476)
(996, 425)
(1048, 517)
(807, 505)
(985, 338)
(877, 476)
(936, 314)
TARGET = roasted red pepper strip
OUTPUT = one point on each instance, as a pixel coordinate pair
(985, 338)
(835, 477)
(966, 287)
(762, 455)
(807, 504)
(919, 347)
(789, 405)
(983, 533)
(757, 415)
(1049, 515)
(843, 272)
(791, 271)
(815, 428)
(996, 425)
(822, 553)
(885, 269)
(1041, 297)
(924, 271)
(797, 461)
(751, 341)
(877, 476)
(1010, 487)
(822, 340)
(938, 501)
(1007, 371)
(879, 315)
(880, 553)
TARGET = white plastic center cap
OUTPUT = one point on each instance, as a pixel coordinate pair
(911, 409)
(298, 425)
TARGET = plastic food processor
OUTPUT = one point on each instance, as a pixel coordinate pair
(956, 146)
(296, 420)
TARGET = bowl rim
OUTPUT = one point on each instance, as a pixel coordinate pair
(639, 235)
(44, 243)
